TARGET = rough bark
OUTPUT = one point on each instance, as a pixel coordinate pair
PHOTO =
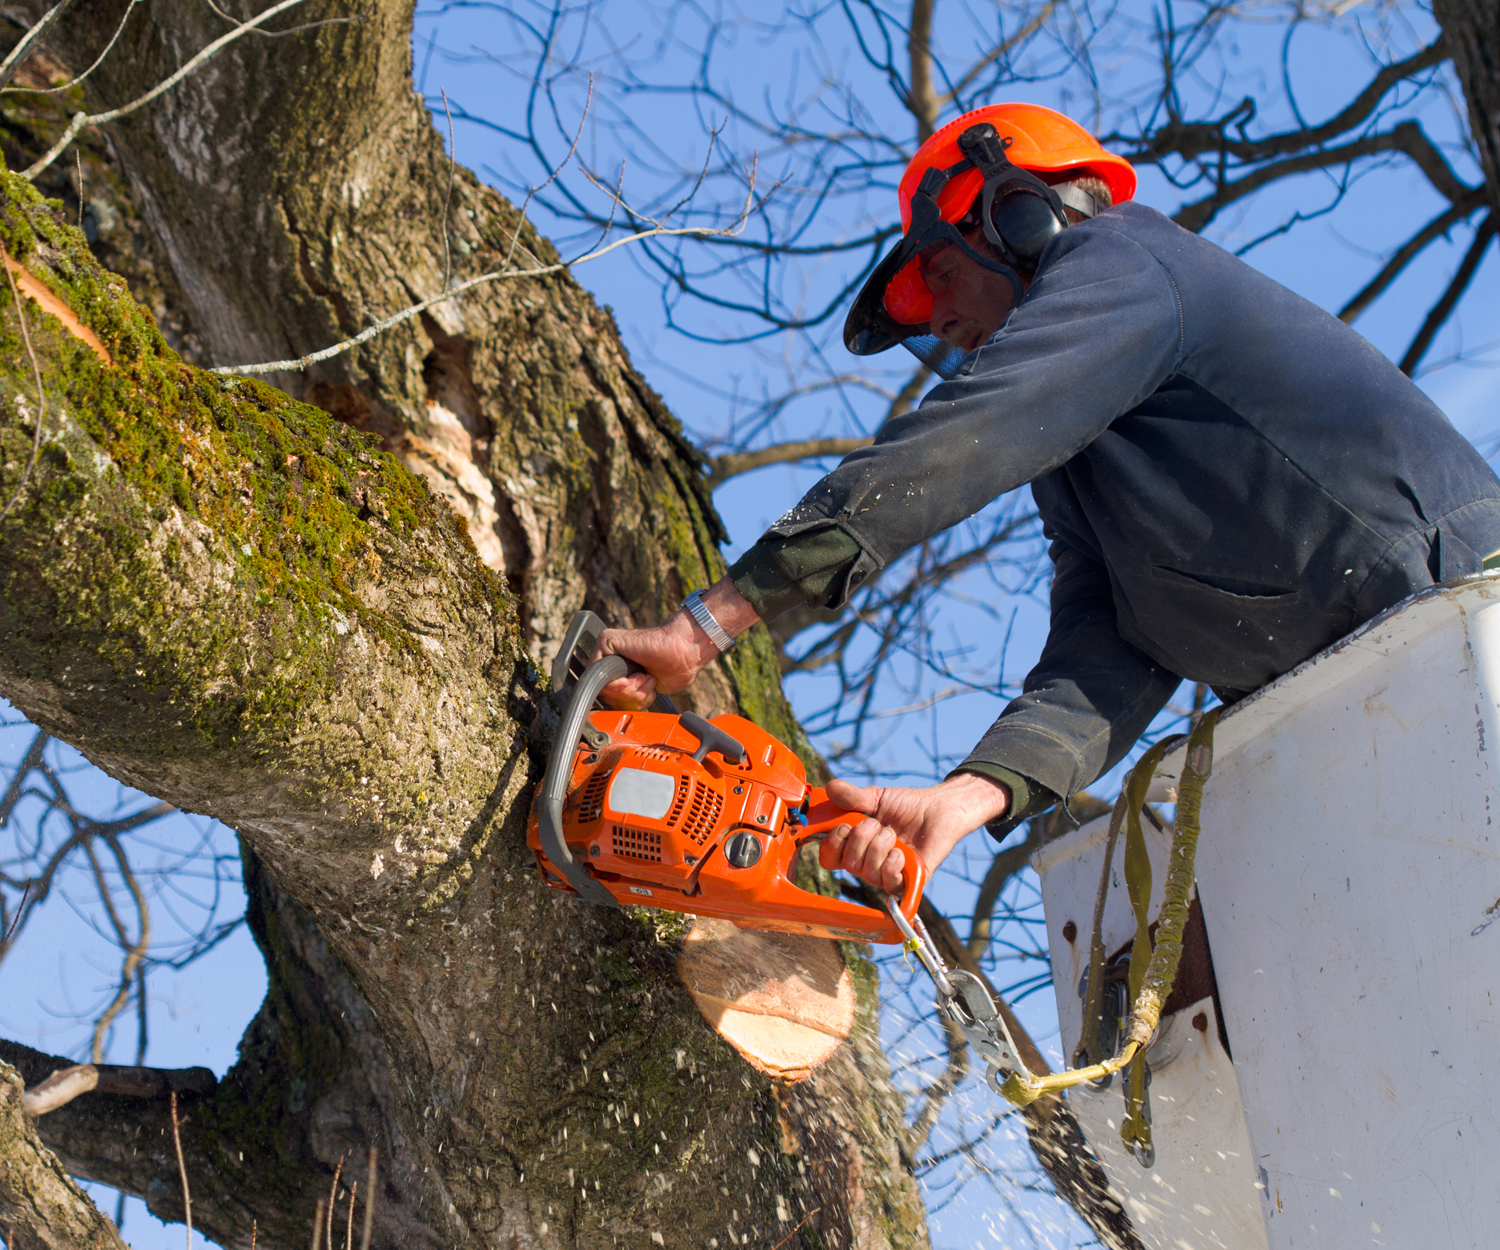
(1471, 33)
(40, 1204)
(230, 600)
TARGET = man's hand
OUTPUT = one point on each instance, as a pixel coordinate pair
(674, 653)
(933, 820)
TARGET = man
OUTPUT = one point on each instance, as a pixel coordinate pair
(1230, 479)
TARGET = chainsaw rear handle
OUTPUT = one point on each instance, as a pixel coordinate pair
(560, 772)
(824, 818)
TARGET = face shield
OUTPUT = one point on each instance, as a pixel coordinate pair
(1020, 215)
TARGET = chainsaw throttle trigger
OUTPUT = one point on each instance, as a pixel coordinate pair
(712, 738)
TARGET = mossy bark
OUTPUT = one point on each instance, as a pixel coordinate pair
(265, 610)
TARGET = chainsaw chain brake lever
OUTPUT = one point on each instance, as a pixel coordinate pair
(965, 1000)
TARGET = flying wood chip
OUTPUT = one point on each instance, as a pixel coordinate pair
(785, 1003)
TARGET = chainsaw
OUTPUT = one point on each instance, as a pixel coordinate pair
(665, 809)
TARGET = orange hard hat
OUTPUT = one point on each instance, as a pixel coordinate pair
(1038, 139)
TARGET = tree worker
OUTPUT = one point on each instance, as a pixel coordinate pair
(1230, 479)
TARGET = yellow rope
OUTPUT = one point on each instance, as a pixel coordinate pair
(1151, 990)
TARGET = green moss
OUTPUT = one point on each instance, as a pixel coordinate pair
(194, 475)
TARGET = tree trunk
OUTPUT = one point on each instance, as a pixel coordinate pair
(1471, 31)
(228, 599)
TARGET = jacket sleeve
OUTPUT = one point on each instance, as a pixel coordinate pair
(1090, 696)
(1099, 331)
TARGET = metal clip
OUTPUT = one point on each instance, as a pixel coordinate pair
(965, 1000)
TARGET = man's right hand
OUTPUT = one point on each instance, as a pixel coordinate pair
(674, 653)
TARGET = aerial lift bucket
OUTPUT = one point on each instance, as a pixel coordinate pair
(1327, 1071)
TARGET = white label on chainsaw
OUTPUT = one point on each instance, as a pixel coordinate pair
(636, 792)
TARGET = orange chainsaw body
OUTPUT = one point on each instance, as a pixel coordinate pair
(658, 828)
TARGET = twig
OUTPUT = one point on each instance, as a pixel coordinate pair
(294, 30)
(349, 1229)
(98, 61)
(29, 41)
(333, 1199)
(20, 910)
(406, 314)
(134, 951)
(369, 1229)
(187, 1196)
(448, 198)
(794, 1231)
(80, 120)
(317, 1233)
(41, 398)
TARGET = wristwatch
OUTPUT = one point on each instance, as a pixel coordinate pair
(717, 634)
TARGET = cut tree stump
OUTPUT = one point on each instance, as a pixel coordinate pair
(785, 1003)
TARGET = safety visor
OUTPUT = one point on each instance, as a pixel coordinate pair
(895, 305)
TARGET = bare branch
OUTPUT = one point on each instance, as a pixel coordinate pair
(59, 1089)
(731, 464)
(499, 275)
(1408, 251)
(1000, 50)
(1193, 139)
(30, 41)
(1443, 309)
(921, 99)
(1407, 137)
(72, 82)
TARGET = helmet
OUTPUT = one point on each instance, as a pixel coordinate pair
(987, 159)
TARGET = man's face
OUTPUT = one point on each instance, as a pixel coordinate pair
(969, 302)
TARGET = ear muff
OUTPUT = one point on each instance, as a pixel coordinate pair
(1020, 212)
(1025, 224)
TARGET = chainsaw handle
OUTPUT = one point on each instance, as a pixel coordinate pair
(824, 818)
(560, 772)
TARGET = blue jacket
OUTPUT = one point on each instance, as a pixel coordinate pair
(1230, 479)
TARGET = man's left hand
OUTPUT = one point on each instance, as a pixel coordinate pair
(933, 820)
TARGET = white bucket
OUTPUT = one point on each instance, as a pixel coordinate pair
(1349, 873)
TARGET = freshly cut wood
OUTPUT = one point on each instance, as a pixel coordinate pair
(785, 1003)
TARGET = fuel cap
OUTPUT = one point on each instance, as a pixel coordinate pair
(743, 849)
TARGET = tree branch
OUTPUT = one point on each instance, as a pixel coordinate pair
(732, 464)
(1407, 137)
(921, 99)
(1408, 251)
(37, 1195)
(1443, 309)
(1190, 140)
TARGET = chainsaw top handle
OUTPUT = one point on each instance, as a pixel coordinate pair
(560, 771)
